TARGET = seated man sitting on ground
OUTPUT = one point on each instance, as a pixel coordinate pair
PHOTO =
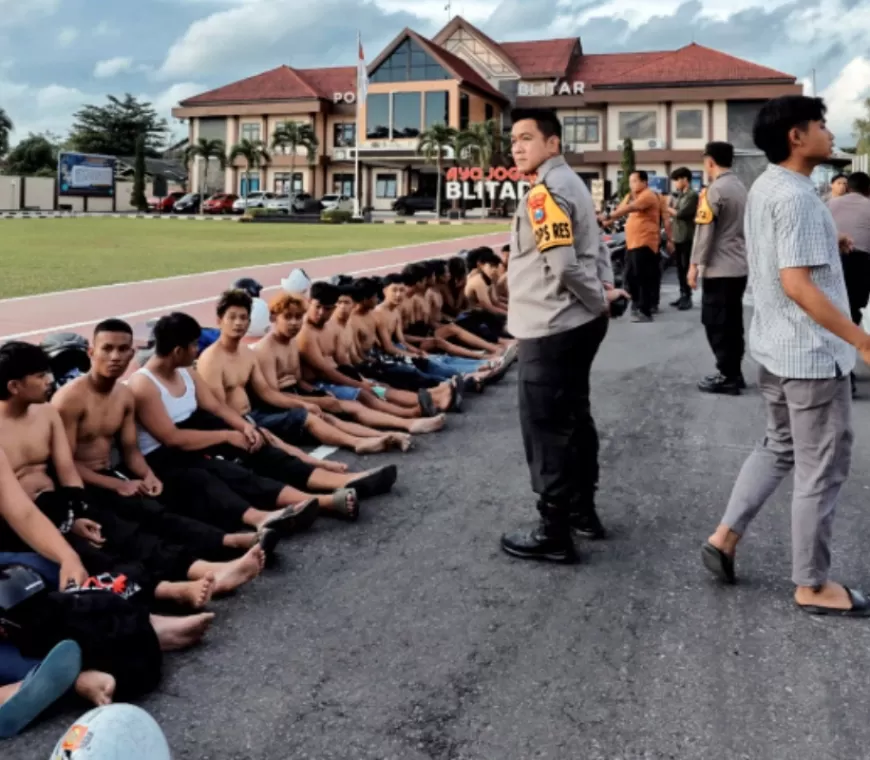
(457, 305)
(317, 346)
(479, 290)
(501, 295)
(98, 413)
(184, 425)
(234, 376)
(278, 355)
(33, 437)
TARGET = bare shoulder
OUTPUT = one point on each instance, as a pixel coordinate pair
(71, 396)
(124, 395)
(141, 387)
(44, 413)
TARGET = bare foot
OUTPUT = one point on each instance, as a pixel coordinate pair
(177, 633)
(725, 540)
(230, 575)
(242, 541)
(372, 445)
(428, 424)
(400, 441)
(96, 687)
(832, 595)
(195, 593)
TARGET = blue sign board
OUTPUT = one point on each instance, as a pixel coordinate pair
(83, 174)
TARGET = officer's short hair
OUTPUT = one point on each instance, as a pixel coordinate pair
(682, 173)
(546, 119)
(778, 117)
(641, 175)
(858, 182)
(722, 153)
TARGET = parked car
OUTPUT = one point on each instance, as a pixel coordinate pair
(408, 205)
(189, 204)
(280, 204)
(256, 199)
(165, 205)
(336, 202)
(222, 203)
(306, 203)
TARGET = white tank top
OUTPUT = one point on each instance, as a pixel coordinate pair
(179, 408)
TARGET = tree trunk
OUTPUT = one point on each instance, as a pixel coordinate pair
(204, 186)
(438, 186)
(292, 175)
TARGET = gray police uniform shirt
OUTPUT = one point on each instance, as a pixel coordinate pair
(558, 260)
(719, 248)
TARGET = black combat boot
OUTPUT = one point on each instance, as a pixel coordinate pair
(584, 520)
(685, 303)
(719, 384)
(550, 539)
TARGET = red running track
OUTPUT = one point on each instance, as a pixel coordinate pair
(33, 317)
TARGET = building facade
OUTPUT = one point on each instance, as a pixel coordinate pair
(668, 103)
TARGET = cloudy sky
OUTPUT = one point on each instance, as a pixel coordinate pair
(56, 55)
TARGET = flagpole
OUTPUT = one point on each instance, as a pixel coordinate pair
(356, 177)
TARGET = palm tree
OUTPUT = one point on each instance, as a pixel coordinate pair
(206, 150)
(431, 145)
(6, 126)
(294, 136)
(255, 154)
(479, 140)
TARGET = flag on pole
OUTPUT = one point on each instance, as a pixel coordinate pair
(362, 77)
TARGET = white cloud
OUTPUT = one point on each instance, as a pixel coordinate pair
(112, 67)
(19, 12)
(67, 36)
(845, 98)
(105, 29)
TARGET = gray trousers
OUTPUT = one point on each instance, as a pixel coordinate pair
(809, 428)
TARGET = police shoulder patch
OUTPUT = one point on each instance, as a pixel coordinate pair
(550, 223)
(705, 214)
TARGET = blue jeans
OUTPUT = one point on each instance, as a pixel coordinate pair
(14, 667)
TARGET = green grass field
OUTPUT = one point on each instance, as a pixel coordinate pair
(44, 255)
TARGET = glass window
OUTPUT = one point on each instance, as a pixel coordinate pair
(342, 184)
(741, 117)
(409, 63)
(284, 185)
(249, 185)
(344, 135)
(385, 185)
(697, 180)
(437, 108)
(463, 110)
(251, 132)
(637, 125)
(378, 116)
(488, 112)
(406, 114)
(580, 130)
(690, 124)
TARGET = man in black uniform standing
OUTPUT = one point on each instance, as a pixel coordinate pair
(559, 279)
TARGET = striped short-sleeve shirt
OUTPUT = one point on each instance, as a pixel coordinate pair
(787, 225)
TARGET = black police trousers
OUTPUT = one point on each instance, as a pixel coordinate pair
(856, 272)
(722, 317)
(559, 435)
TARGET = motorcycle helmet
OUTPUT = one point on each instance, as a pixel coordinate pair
(249, 285)
(67, 356)
(297, 282)
(113, 732)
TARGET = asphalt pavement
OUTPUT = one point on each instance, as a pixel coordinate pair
(410, 636)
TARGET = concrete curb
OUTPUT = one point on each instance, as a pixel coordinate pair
(83, 215)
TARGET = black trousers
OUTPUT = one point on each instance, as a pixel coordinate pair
(722, 317)
(643, 277)
(856, 272)
(559, 434)
(682, 259)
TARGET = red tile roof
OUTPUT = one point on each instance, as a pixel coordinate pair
(542, 58)
(329, 81)
(282, 83)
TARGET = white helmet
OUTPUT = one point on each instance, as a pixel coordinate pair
(297, 282)
(113, 732)
(260, 319)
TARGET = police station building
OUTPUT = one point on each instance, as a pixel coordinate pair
(669, 103)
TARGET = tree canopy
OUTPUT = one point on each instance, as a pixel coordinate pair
(35, 155)
(114, 128)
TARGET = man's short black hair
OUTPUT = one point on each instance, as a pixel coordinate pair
(840, 175)
(393, 278)
(457, 266)
(234, 297)
(324, 293)
(19, 360)
(722, 153)
(413, 274)
(546, 119)
(641, 175)
(488, 256)
(175, 330)
(438, 267)
(778, 117)
(113, 326)
(684, 172)
(363, 289)
(506, 248)
(858, 182)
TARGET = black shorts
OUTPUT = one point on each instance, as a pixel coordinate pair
(419, 330)
(287, 424)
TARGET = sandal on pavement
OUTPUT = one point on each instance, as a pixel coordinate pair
(718, 563)
(860, 606)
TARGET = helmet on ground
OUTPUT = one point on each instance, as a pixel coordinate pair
(260, 319)
(296, 282)
(113, 732)
(67, 355)
(249, 285)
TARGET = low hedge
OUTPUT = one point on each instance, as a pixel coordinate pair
(335, 216)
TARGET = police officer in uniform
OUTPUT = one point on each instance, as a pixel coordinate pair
(560, 285)
(719, 261)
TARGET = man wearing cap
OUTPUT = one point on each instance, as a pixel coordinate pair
(719, 260)
(559, 302)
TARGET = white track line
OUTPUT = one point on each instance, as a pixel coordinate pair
(176, 306)
(249, 267)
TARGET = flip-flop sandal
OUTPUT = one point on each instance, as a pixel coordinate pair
(510, 355)
(306, 513)
(473, 384)
(455, 396)
(345, 505)
(860, 606)
(426, 403)
(718, 563)
(268, 539)
(498, 374)
(41, 688)
(376, 482)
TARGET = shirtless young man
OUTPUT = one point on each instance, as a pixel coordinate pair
(98, 412)
(183, 424)
(317, 349)
(33, 437)
(278, 356)
(231, 370)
